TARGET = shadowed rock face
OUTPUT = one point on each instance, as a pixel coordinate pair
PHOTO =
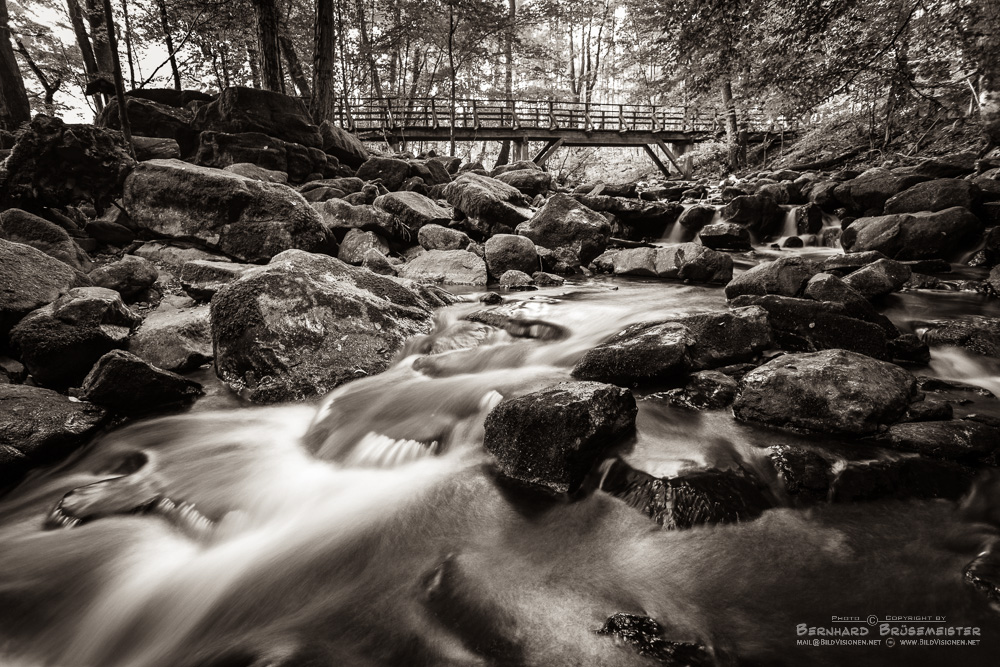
(834, 391)
(551, 438)
(38, 426)
(691, 499)
(61, 341)
(305, 324)
(219, 210)
(22, 227)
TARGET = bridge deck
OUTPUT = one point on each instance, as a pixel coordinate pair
(575, 123)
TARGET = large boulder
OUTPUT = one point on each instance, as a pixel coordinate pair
(305, 324)
(342, 145)
(22, 227)
(635, 218)
(878, 278)
(551, 438)
(531, 182)
(906, 236)
(454, 267)
(760, 214)
(392, 172)
(507, 252)
(356, 245)
(130, 276)
(806, 325)
(246, 219)
(973, 333)
(693, 498)
(39, 426)
(30, 279)
(694, 218)
(61, 341)
(126, 384)
(221, 149)
(487, 199)
(827, 287)
(833, 391)
(871, 190)
(240, 109)
(174, 339)
(413, 209)
(439, 237)
(148, 118)
(786, 277)
(724, 236)
(662, 352)
(687, 261)
(695, 263)
(565, 224)
(641, 353)
(339, 217)
(54, 165)
(936, 195)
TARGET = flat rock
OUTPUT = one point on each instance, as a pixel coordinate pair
(175, 339)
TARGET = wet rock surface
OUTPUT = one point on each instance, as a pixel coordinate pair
(695, 498)
(39, 426)
(833, 391)
(305, 324)
(551, 438)
(124, 383)
(645, 636)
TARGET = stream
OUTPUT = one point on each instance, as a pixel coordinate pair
(370, 529)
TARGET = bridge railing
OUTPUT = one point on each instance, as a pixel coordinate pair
(391, 114)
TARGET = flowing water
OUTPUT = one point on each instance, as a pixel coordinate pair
(370, 530)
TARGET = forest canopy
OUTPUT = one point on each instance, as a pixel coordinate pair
(888, 62)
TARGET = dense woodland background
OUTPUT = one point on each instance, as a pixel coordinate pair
(881, 73)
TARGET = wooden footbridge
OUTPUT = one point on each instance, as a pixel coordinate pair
(671, 129)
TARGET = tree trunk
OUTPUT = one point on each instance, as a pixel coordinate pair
(508, 74)
(99, 35)
(128, 45)
(732, 126)
(451, 65)
(366, 50)
(86, 48)
(324, 100)
(49, 87)
(14, 108)
(169, 41)
(268, 46)
(295, 71)
(116, 71)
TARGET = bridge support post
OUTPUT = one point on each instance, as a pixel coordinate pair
(656, 160)
(546, 153)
